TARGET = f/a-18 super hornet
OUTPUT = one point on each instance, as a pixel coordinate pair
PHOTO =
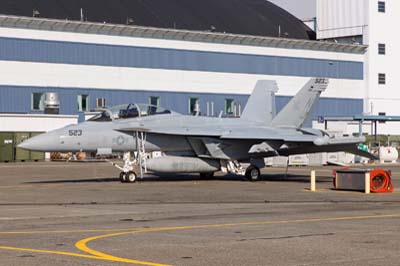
(199, 144)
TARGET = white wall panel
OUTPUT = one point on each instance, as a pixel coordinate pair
(96, 77)
(383, 29)
(34, 123)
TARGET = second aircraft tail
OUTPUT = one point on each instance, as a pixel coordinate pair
(295, 113)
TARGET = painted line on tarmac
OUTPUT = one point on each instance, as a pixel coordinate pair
(83, 244)
(354, 192)
(67, 231)
(48, 252)
(71, 254)
(98, 255)
(322, 190)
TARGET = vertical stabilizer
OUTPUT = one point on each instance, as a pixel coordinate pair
(295, 113)
(260, 107)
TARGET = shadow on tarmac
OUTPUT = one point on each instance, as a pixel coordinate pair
(192, 177)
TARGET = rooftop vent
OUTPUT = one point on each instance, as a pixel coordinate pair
(51, 103)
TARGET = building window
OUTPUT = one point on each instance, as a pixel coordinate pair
(38, 101)
(194, 106)
(382, 48)
(83, 103)
(229, 106)
(382, 78)
(101, 103)
(381, 7)
(154, 100)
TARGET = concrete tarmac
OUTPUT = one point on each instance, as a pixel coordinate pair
(80, 214)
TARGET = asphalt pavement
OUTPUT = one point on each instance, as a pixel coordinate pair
(56, 213)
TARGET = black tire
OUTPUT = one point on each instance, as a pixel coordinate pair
(131, 177)
(209, 175)
(253, 173)
(122, 177)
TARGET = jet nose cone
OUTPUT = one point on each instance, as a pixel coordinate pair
(24, 145)
(33, 144)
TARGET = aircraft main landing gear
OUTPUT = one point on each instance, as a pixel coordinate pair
(253, 173)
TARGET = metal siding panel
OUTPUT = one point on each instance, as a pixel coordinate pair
(18, 100)
(300, 67)
(156, 58)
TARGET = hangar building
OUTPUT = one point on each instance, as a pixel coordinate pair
(371, 23)
(176, 54)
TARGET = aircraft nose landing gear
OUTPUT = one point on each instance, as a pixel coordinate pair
(128, 172)
(131, 177)
(122, 177)
(134, 168)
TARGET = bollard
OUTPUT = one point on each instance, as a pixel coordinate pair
(336, 181)
(312, 180)
(367, 183)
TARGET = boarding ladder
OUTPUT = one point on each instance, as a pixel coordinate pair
(141, 152)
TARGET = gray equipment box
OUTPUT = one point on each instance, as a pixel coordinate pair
(351, 179)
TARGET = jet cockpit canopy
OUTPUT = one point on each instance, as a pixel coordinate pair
(131, 110)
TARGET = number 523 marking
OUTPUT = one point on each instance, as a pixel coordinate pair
(75, 132)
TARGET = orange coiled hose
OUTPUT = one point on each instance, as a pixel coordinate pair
(381, 181)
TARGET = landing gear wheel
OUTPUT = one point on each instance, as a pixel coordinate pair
(131, 177)
(209, 175)
(253, 173)
(122, 177)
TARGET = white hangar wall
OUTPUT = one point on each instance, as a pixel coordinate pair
(101, 65)
(66, 75)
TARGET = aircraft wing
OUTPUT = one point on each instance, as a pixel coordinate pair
(310, 144)
(299, 144)
(267, 134)
(255, 134)
(260, 142)
(177, 131)
(337, 147)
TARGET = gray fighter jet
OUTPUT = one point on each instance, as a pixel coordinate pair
(198, 144)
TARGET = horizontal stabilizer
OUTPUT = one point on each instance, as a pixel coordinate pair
(356, 151)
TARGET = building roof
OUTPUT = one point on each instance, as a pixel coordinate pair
(175, 34)
(244, 17)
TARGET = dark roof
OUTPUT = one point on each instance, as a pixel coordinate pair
(249, 17)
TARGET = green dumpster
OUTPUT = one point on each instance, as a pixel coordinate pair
(21, 155)
(36, 156)
(6, 147)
